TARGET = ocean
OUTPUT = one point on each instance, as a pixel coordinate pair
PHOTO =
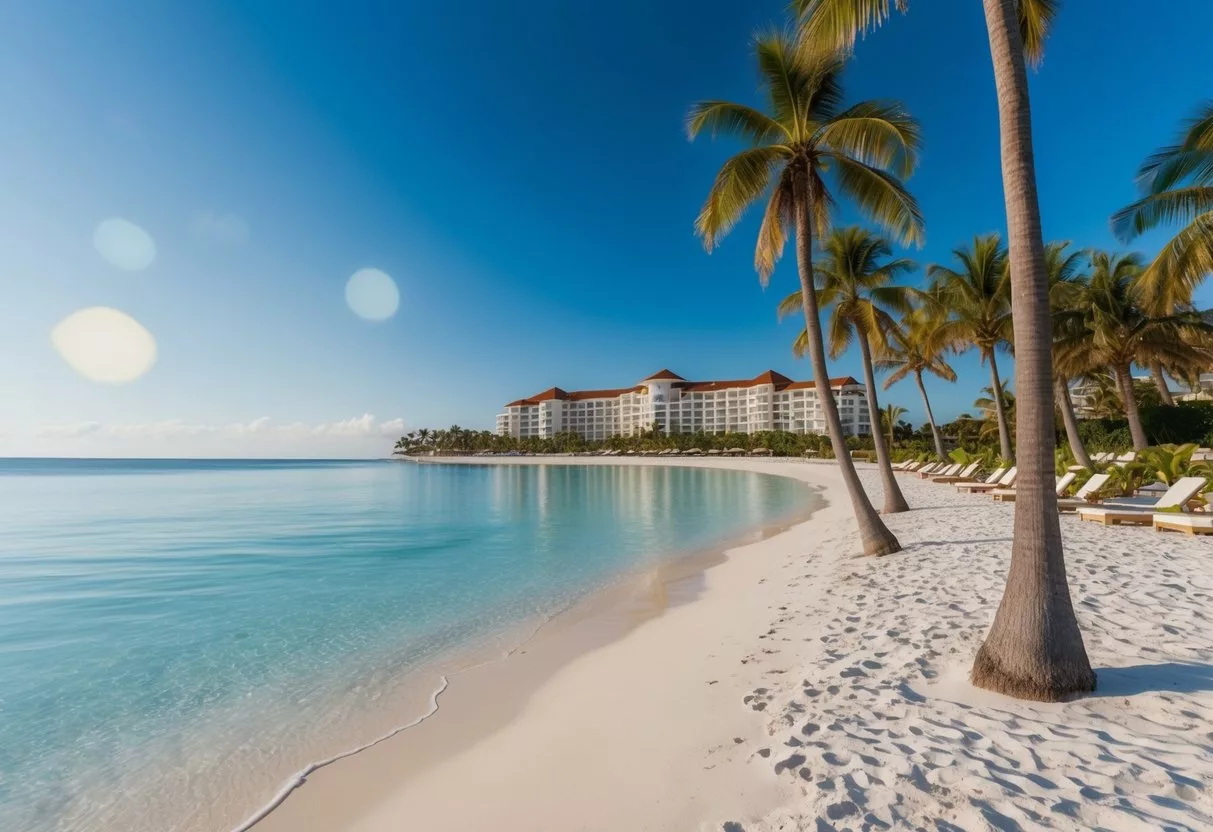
(177, 637)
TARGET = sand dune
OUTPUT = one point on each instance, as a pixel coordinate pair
(807, 688)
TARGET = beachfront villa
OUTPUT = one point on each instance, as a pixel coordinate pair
(769, 401)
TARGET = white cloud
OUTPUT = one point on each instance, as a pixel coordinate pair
(363, 425)
(216, 227)
(392, 427)
(69, 431)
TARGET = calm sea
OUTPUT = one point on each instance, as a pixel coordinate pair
(178, 637)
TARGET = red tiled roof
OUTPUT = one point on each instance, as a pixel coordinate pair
(580, 395)
(664, 375)
(780, 382)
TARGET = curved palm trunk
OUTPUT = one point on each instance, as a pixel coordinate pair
(1034, 649)
(894, 500)
(1000, 407)
(1160, 381)
(922, 388)
(1066, 405)
(1128, 397)
(876, 537)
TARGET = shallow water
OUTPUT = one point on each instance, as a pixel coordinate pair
(177, 637)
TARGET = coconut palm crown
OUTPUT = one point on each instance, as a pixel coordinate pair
(807, 134)
(1177, 187)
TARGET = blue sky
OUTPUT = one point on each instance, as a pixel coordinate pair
(520, 171)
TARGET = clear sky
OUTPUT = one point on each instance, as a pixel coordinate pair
(519, 170)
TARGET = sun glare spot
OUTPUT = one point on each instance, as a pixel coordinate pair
(372, 294)
(105, 345)
(124, 244)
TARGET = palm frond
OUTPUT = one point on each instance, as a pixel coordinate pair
(837, 23)
(1190, 158)
(839, 334)
(741, 181)
(772, 234)
(1035, 19)
(1182, 264)
(1180, 205)
(876, 133)
(734, 120)
(882, 198)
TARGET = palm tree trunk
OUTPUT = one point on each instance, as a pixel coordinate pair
(1034, 649)
(1000, 408)
(894, 500)
(875, 535)
(1067, 417)
(1128, 397)
(922, 388)
(1160, 381)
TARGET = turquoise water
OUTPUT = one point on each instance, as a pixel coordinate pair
(177, 637)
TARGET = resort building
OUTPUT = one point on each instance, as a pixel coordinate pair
(768, 401)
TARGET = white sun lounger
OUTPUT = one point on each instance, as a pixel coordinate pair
(946, 471)
(1089, 488)
(1006, 481)
(1189, 524)
(964, 475)
(1112, 514)
(1007, 495)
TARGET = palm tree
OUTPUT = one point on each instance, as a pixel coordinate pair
(915, 348)
(805, 136)
(1177, 187)
(1117, 330)
(1034, 648)
(889, 418)
(979, 299)
(988, 403)
(853, 280)
(1065, 291)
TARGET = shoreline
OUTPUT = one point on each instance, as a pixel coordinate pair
(603, 617)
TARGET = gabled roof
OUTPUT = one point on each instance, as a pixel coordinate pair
(664, 375)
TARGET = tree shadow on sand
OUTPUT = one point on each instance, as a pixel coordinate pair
(1172, 677)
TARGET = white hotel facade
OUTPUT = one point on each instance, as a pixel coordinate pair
(768, 401)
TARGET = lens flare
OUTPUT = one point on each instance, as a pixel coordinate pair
(124, 244)
(372, 294)
(105, 345)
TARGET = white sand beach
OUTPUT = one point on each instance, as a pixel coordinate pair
(804, 687)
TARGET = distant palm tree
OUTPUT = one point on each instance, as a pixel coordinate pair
(1034, 649)
(987, 403)
(854, 281)
(804, 140)
(914, 348)
(1066, 283)
(1117, 331)
(978, 297)
(889, 417)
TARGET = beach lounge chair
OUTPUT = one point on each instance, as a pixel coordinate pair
(945, 471)
(991, 480)
(1189, 524)
(1007, 495)
(1088, 489)
(1123, 458)
(964, 475)
(1114, 513)
(1005, 481)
